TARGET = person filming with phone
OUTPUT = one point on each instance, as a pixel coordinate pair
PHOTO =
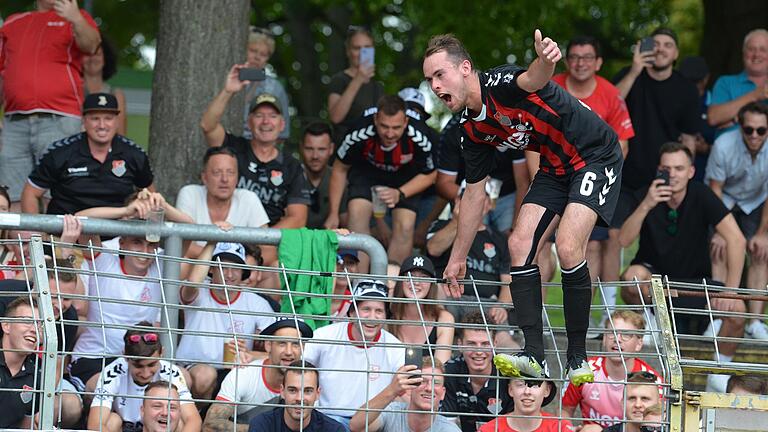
(673, 222)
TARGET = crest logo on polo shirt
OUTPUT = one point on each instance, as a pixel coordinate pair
(276, 177)
(26, 396)
(494, 406)
(489, 250)
(118, 167)
(145, 295)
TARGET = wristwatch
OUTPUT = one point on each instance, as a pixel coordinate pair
(402, 195)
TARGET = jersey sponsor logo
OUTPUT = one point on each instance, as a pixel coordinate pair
(118, 167)
(262, 189)
(602, 420)
(276, 177)
(489, 250)
(77, 172)
(480, 265)
(519, 138)
(26, 395)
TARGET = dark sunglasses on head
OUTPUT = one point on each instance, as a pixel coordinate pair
(749, 130)
(149, 338)
(644, 375)
(651, 428)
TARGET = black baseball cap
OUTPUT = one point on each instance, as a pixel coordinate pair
(283, 322)
(100, 102)
(417, 262)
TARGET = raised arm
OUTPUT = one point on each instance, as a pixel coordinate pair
(211, 122)
(540, 71)
(87, 37)
(401, 383)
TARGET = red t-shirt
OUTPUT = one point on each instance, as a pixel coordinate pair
(547, 425)
(41, 64)
(608, 104)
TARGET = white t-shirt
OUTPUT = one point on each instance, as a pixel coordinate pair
(95, 342)
(206, 349)
(115, 380)
(247, 385)
(347, 389)
(246, 209)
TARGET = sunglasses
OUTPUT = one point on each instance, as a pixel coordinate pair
(651, 428)
(368, 286)
(672, 219)
(148, 338)
(644, 375)
(749, 131)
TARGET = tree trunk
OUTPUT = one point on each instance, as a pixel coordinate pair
(726, 22)
(197, 43)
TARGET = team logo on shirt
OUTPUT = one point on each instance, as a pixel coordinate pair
(276, 177)
(595, 394)
(145, 295)
(26, 396)
(521, 133)
(118, 167)
(494, 406)
(489, 250)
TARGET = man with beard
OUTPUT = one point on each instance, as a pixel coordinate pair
(426, 388)
(300, 390)
(576, 185)
(259, 381)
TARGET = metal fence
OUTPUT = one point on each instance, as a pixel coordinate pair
(665, 352)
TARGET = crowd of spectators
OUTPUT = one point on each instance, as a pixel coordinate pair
(377, 169)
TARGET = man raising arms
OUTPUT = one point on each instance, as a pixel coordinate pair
(578, 181)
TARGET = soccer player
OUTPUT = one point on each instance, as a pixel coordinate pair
(577, 183)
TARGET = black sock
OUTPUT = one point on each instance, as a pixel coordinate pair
(577, 300)
(526, 294)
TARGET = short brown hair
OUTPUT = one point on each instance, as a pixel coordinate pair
(751, 383)
(390, 105)
(451, 45)
(160, 384)
(474, 317)
(654, 409)
(63, 271)
(426, 362)
(674, 147)
(19, 302)
(629, 316)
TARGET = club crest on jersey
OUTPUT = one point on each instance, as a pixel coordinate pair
(489, 250)
(494, 406)
(118, 167)
(501, 118)
(26, 395)
(276, 177)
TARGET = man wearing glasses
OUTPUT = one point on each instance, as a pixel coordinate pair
(673, 221)
(601, 402)
(737, 172)
(128, 377)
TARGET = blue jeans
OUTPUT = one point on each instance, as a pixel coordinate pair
(501, 217)
(25, 140)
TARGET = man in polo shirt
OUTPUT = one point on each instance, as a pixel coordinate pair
(737, 172)
(41, 62)
(18, 364)
(364, 348)
(471, 386)
(275, 176)
(95, 168)
(259, 381)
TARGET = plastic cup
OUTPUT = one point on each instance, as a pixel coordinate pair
(229, 356)
(379, 206)
(155, 219)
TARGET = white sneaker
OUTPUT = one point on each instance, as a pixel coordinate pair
(713, 329)
(717, 383)
(757, 330)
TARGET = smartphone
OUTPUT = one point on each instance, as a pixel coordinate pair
(251, 74)
(414, 356)
(664, 175)
(366, 56)
(647, 44)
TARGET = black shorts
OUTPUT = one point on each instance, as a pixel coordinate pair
(82, 369)
(360, 184)
(597, 186)
(624, 207)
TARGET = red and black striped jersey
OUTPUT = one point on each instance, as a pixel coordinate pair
(549, 121)
(413, 151)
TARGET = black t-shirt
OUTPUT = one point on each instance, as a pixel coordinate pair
(685, 254)
(16, 405)
(450, 160)
(550, 121)
(488, 258)
(660, 112)
(272, 421)
(278, 183)
(459, 396)
(67, 333)
(368, 96)
(77, 181)
(413, 154)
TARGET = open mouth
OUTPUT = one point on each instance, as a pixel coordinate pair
(162, 421)
(445, 97)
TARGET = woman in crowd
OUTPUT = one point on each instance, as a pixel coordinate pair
(353, 90)
(97, 69)
(437, 325)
